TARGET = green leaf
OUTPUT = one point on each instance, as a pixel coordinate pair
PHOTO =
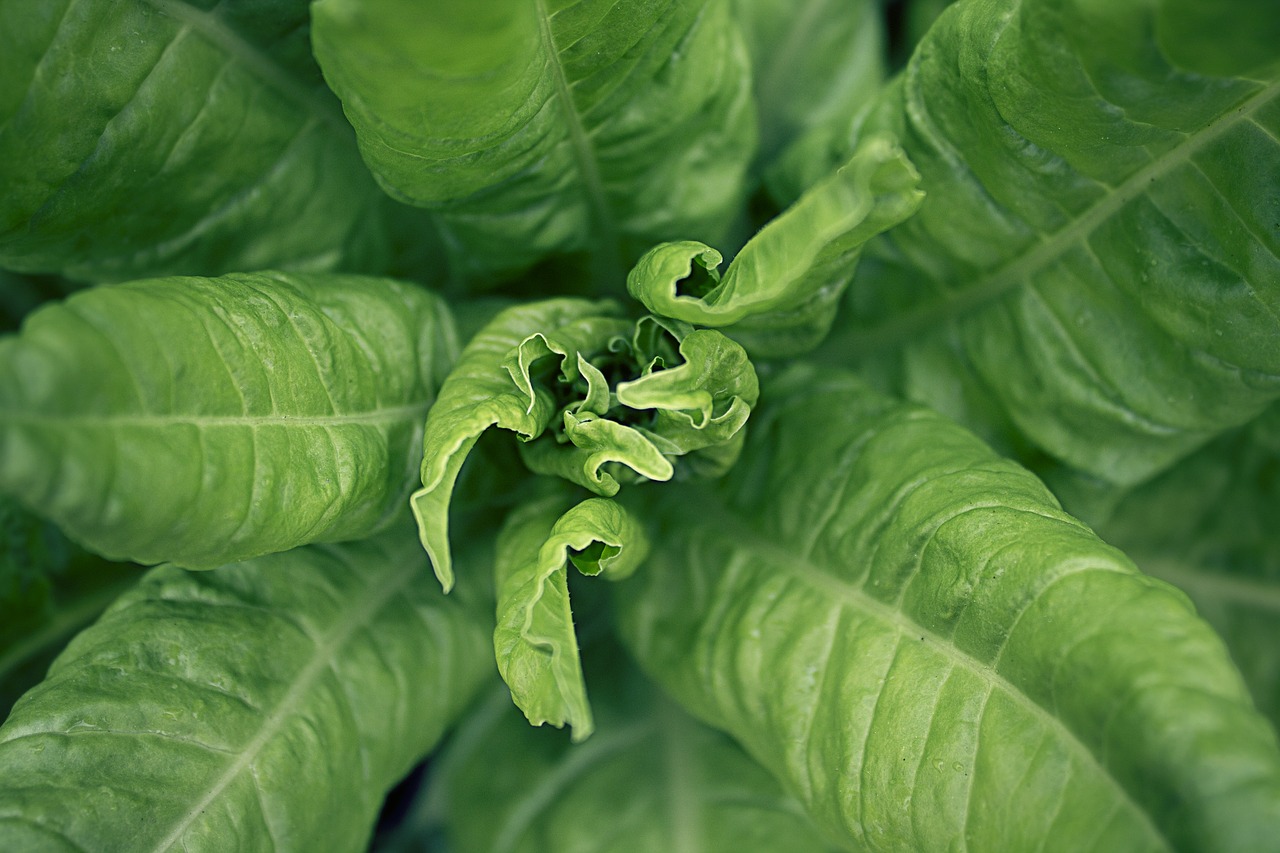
(533, 128)
(267, 705)
(536, 646)
(797, 267)
(813, 62)
(598, 399)
(1208, 526)
(652, 780)
(49, 590)
(909, 632)
(204, 421)
(481, 392)
(171, 137)
(1099, 244)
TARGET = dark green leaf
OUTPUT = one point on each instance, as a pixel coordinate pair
(534, 127)
(1099, 248)
(153, 137)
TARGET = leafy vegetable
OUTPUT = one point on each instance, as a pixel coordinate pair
(908, 631)
(201, 140)
(1053, 225)
(608, 399)
(795, 270)
(534, 639)
(359, 665)
(1093, 258)
(225, 418)
(606, 126)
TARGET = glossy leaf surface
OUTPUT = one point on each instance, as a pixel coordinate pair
(223, 418)
(1098, 249)
(907, 630)
(267, 705)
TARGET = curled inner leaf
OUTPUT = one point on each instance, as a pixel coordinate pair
(598, 400)
(534, 641)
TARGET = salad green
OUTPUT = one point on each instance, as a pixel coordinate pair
(909, 370)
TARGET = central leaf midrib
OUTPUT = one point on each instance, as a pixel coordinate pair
(584, 156)
(904, 328)
(377, 598)
(728, 526)
(262, 63)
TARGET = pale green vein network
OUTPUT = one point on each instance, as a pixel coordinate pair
(321, 660)
(1051, 246)
(722, 524)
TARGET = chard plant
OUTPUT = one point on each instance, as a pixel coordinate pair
(855, 427)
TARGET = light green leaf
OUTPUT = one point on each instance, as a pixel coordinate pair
(483, 391)
(203, 421)
(544, 371)
(909, 632)
(1099, 244)
(797, 266)
(533, 127)
(813, 62)
(269, 705)
(535, 643)
(171, 137)
(652, 780)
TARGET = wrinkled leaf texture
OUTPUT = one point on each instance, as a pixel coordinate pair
(155, 137)
(151, 733)
(1098, 257)
(908, 630)
(535, 642)
(533, 127)
(782, 290)
(207, 420)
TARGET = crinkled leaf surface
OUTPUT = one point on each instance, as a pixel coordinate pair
(480, 393)
(535, 643)
(266, 706)
(154, 137)
(599, 400)
(813, 62)
(203, 421)
(652, 780)
(534, 127)
(908, 630)
(788, 280)
(1098, 249)
(1208, 525)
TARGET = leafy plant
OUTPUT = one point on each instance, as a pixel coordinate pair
(793, 544)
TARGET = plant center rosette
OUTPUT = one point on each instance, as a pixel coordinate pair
(598, 400)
